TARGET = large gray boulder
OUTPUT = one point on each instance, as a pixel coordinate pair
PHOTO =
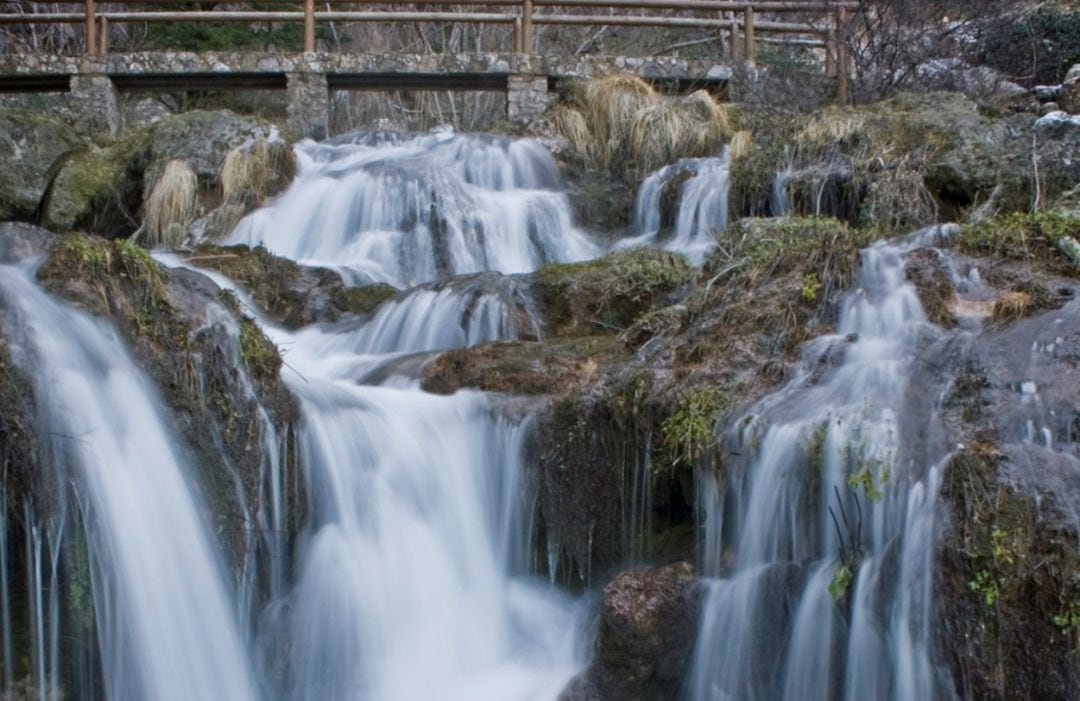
(31, 144)
(1069, 97)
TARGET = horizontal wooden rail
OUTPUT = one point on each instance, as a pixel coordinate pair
(725, 16)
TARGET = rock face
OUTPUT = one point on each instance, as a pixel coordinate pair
(646, 638)
(31, 148)
(216, 371)
(1069, 96)
(101, 188)
(1008, 573)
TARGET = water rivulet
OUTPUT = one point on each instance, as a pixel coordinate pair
(166, 624)
(821, 538)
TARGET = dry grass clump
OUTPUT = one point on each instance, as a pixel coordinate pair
(170, 207)
(658, 135)
(622, 121)
(250, 175)
(742, 145)
(1012, 306)
(570, 122)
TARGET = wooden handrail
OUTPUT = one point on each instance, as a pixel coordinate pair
(727, 16)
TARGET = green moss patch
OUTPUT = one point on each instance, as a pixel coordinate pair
(610, 293)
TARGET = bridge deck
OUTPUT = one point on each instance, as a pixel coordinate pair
(383, 71)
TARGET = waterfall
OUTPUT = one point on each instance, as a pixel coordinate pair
(700, 210)
(166, 626)
(410, 210)
(823, 499)
(413, 578)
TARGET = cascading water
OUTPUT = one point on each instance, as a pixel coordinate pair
(412, 581)
(825, 497)
(410, 210)
(166, 628)
(701, 209)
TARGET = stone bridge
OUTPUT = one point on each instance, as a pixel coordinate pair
(529, 81)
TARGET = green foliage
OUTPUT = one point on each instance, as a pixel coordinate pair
(1068, 620)
(1021, 236)
(91, 256)
(688, 432)
(841, 580)
(987, 586)
(868, 473)
(815, 446)
(811, 286)
(258, 352)
(1042, 46)
(1002, 549)
(611, 292)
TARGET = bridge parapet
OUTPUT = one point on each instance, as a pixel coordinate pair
(308, 77)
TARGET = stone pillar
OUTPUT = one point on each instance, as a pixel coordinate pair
(94, 104)
(526, 98)
(309, 105)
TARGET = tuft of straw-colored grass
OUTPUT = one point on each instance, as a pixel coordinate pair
(170, 207)
(1012, 306)
(611, 104)
(657, 135)
(711, 114)
(742, 145)
(570, 123)
(242, 170)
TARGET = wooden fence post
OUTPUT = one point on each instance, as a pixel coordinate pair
(830, 53)
(733, 36)
(842, 88)
(91, 27)
(518, 48)
(526, 26)
(748, 34)
(309, 26)
(103, 38)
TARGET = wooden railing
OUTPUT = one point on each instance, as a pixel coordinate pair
(735, 19)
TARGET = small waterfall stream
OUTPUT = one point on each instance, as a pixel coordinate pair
(166, 627)
(411, 210)
(411, 578)
(700, 207)
(821, 538)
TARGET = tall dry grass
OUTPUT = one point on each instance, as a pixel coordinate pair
(170, 206)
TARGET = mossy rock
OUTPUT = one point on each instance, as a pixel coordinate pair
(610, 293)
(292, 294)
(31, 145)
(523, 368)
(99, 189)
(1033, 239)
(1005, 575)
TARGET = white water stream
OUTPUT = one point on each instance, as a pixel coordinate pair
(821, 469)
(166, 625)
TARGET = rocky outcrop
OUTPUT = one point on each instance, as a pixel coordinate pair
(101, 188)
(648, 624)
(1007, 575)
(291, 294)
(215, 369)
(32, 146)
(1069, 95)
(907, 162)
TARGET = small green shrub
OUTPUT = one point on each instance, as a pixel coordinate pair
(688, 432)
(841, 580)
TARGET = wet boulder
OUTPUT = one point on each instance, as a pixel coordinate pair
(647, 630)
(32, 145)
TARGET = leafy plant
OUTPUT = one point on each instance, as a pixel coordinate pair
(841, 580)
(688, 432)
(811, 286)
(987, 586)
